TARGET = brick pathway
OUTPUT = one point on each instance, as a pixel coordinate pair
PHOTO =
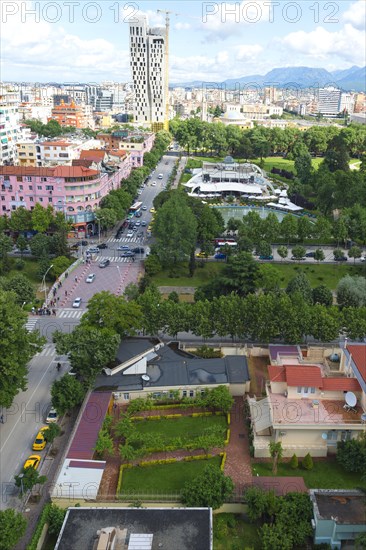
(238, 461)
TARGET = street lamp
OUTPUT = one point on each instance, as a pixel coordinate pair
(99, 220)
(20, 476)
(23, 304)
(119, 271)
(44, 284)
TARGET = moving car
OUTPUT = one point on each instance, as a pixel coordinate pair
(52, 416)
(76, 303)
(33, 461)
(40, 441)
(104, 263)
(123, 247)
(152, 210)
(144, 207)
(201, 254)
(129, 234)
(160, 176)
(143, 223)
(220, 256)
(153, 183)
(270, 257)
(93, 250)
(137, 224)
(138, 250)
(127, 254)
(90, 278)
(102, 246)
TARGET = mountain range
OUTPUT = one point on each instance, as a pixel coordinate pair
(352, 79)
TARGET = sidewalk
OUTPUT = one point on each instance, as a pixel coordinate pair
(181, 167)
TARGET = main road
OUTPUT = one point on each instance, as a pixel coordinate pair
(27, 413)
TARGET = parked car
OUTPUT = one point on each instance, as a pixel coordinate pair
(33, 461)
(297, 259)
(137, 224)
(270, 257)
(102, 246)
(127, 254)
(220, 256)
(341, 259)
(201, 255)
(140, 234)
(138, 250)
(40, 440)
(93, 250)
(160, 176)
(129, 234)
(77, 303)
(152, 210)
(310, 255)
(363, 259)
(153, 183)
(52, 416)
(143, 223)
(144, 207)
(90, 278)
(104, 263)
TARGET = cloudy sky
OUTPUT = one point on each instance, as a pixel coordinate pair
(87, 41)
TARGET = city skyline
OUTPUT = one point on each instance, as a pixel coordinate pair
(89, 41)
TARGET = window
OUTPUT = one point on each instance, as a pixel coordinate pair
(31, 188)
(49, 199)
(21, 198)
(191, 393)
(30, 199)
(28, 178)
(40, 200)
(19, 178)
(43, 179)
(13, 198)
(20, 187)
(126, 396)
(184, 393)
(156, 395)
(312, 390)
(39, 187)
(299, 389)
(2, 198)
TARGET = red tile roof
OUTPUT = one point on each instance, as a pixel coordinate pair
(85, 464)
(304, 376)
(57, 172)
(341, 384)
(86, 435)
(55, 144)
(92, 154)
(276, 374)
(117, 152)
(359, 358)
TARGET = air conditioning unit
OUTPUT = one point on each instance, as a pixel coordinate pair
(116, 395)
(283, 433)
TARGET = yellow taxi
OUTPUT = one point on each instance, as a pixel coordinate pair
(40, 440)
(33, 461)
(201, 255)
(152, 210)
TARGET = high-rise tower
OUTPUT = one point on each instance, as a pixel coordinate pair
(148, 51)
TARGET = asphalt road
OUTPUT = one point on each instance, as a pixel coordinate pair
(23, 420)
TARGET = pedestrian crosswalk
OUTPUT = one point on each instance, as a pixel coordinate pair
(70, 313)
(116, 258)
(133, 239)
(30, 324)
(48, 350)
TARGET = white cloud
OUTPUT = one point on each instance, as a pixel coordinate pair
(182, 26)
(356, 15)
(223, 20)
(347, 44)
(246, 52)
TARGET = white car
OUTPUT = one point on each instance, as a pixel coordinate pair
(52, 416)
(90, 278)
(153, 183)
(129, 234)
(93, 250)
(144, 207)
(76, 303)
(363, 259)
(160, 176)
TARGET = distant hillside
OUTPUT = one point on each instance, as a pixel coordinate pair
(350, 79)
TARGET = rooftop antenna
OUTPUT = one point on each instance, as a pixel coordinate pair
(166, 91)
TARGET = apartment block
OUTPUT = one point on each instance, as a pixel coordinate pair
(9, 125)
(136, 143)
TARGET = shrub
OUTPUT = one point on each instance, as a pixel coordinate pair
(307, 462)
(19, 265)
(226, 442)
(294, 462)
(223, 460)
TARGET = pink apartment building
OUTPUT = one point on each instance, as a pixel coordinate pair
(74, 190)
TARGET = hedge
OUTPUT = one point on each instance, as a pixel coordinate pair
(147, 463)
(197, 457)
(38, 532)
(201, 414)
(223, 460)
(226, 442)
(119, 484)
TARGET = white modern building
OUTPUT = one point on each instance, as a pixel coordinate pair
(329, 101)
(9, 125)
(148, 53)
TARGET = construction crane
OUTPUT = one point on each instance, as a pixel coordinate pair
(167, 26)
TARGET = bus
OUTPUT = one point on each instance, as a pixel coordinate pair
(136, 207)
(223, 242)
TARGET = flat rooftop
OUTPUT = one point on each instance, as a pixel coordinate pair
(344, 508)
(301, 411)
(176, 528)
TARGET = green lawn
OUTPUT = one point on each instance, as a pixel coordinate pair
(186, 427)
(30, 270)
(163, 478)
(231, 532)
(201, 276)
(318, 274)
(324, 475)
(322, 274)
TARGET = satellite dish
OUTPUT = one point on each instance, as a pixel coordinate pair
(324, 436)
(350, 399)
(145, 377)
